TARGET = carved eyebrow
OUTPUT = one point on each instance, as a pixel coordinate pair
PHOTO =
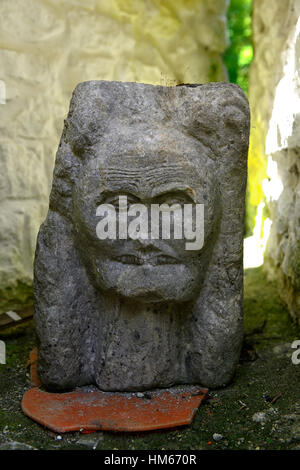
(172, 189)
(176, 190)
(115, 194)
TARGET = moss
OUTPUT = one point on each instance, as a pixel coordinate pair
(265, 311)
(19, 295)
(295, 265)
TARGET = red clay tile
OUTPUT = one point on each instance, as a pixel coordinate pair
(33, 357)
(94, 410)
(90, 411)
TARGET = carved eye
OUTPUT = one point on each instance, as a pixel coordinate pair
(173, 198)
(114, 200)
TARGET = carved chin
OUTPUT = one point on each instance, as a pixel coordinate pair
(148, 282)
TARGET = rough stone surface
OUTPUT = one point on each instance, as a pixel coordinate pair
(140, 314)
(46, 48)
(275, 101)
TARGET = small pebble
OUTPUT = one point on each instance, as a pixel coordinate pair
(259, 417)
(217, 437)
(13, 445)
(90, 440)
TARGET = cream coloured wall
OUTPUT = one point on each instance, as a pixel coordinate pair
(275, 104)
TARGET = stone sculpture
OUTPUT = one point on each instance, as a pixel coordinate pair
(126, 314)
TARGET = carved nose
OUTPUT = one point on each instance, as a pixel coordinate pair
(146, 246)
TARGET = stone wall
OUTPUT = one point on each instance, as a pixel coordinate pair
(275, 103)
(46, 48)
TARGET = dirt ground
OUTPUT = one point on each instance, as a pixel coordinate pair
(260, 409)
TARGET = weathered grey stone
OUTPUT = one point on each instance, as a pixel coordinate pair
(139, 314)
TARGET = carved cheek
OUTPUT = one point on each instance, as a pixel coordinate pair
(84, 212)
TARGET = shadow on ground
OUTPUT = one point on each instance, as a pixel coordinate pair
(259, 410)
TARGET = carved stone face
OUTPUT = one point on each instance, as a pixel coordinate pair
(150, 172)
(126, 314)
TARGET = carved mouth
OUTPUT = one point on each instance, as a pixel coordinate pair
(140, 260)
(129, 259)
